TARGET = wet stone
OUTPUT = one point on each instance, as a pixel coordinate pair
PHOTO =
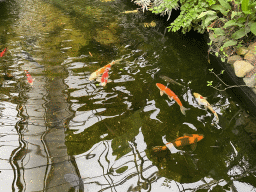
(250, 81)
(250, 57)
(233, 59)
(242, 67)
(252, 47)
(241, 51)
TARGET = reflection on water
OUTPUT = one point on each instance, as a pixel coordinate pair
(66, 133)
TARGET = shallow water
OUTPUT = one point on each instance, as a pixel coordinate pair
(67, 133)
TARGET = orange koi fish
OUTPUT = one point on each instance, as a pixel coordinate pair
(104, 78)
(191, 139)
(101, 70)
(202, 101)
(3, 52)
(29, 78)
(163, 89)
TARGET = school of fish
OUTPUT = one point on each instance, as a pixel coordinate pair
(191, 139)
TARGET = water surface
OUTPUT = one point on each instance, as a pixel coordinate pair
(67, 133)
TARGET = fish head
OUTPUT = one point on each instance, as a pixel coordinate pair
(160, 86)
(198, 137)
(196, 95)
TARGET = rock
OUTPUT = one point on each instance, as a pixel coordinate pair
(250, 81)
(252, 47)
(242, 51)
(233, 59)
(242, 67)
(250, 57)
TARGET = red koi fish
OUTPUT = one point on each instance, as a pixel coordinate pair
(3, 52)
(101, 70)
(163, 89)
(104, 78)
(29, 78)
(191, 139)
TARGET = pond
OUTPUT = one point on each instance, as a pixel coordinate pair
(61, 131)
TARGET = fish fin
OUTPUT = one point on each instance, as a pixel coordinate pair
(169, 145)
(193, 146)
(98, 79)
(161, 93)
(183, 109)
(159, 148)
(171, 98)
(205, 107)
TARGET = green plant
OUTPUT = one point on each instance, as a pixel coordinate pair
(210, 83)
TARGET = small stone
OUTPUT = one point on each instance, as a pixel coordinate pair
(242, 67)
(250, 57)
(241, 51)
(233, 59)
(250, 81)
(252, 47)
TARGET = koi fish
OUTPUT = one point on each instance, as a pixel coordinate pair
(190, 139)
(202, 101)
(29, 78)
(101, 70)
(169, 80)
(3, 52)
(163, 89)
(104, 78)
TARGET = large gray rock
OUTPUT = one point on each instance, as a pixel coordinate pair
(242, 67)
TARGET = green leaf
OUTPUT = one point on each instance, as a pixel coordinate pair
(232, 23)
(223, 59)
(220, 8)
(240, 33)
(225, 4)
(217, 54)
(253, 28)
(229, 43)
(244, 6)
(233, 14)
(206, 13)
(209, 19)
(219, 31)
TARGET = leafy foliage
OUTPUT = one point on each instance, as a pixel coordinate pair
(229, 22)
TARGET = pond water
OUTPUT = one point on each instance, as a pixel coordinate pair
(60, 131)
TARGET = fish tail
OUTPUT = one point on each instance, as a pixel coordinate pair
(159, 148)
(183, 109)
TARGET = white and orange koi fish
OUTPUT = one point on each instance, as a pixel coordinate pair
(163, 89)
(202, 101)
(101, 70)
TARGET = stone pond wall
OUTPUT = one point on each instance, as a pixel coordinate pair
(244, 64)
